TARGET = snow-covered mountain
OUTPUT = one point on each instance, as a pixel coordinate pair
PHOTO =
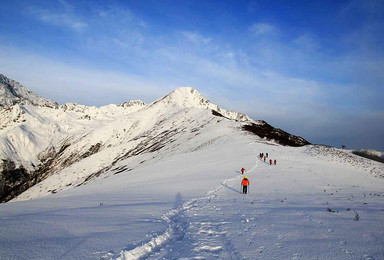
(12, 92)
(53, 147)
(161, 181)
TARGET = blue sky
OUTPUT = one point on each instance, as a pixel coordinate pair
(312, 68)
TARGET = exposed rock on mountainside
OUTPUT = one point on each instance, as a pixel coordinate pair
(11, 180)
(264, 130)
(371, 154)
(12, 92)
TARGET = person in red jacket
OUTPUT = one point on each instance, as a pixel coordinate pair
(245, 184)
(275, 161)
(270, 161)
(242, 170)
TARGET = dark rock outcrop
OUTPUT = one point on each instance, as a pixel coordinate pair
(264, 130)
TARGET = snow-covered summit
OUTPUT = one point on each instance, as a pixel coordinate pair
(190, 97)
(12, 92)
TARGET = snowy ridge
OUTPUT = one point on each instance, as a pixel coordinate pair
(133, 103)
(12, 92)
(341, 157)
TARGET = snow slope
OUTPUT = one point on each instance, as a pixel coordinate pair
(188, 206)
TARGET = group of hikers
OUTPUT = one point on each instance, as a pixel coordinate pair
(265, 156)
(245, 182)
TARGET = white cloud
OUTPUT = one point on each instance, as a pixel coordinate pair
(258, 29)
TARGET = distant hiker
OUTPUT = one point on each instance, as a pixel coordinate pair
(266, 154)
(265, 158)
(274, 161)
(270, 161)
(245, 184)
(242, 170)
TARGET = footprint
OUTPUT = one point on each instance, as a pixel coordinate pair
(296, 257)
(278, 245)
(260, 249)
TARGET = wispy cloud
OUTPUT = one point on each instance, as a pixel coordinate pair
(69, 83)
(63, 16)
(63, 20)
(258, 29)
(196, 38)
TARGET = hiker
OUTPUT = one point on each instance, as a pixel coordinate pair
(274, 161)
(265, 158)
(242, 170)
(266, 154)
(270, 161)
(245, 184)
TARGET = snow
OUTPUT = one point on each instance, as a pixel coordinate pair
(164, 183)
(189, 206)
(189, 97)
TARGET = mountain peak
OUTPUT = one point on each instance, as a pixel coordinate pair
(190, 97)
(187, 97)
(12, 92)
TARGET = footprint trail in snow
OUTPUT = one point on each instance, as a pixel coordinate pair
(196, 230)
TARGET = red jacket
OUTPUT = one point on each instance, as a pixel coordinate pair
(245, 182)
